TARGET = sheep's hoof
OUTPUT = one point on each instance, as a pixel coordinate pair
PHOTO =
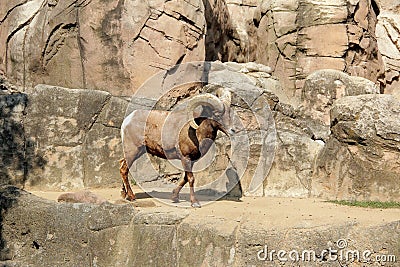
(130, 198)
(196, 205)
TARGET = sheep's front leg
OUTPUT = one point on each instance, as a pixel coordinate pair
(193, 199)
(175, 192)
(187, 165)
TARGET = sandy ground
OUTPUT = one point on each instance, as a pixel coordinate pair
(269, 212)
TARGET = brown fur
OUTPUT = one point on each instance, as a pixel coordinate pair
(188, 146)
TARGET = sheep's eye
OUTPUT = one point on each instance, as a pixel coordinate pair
(217, 114)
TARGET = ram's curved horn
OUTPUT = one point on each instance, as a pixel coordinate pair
(193, 124)
(207, 100)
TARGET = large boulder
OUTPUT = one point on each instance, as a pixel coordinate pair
(360, 161)
(76, 134)
(321, 89)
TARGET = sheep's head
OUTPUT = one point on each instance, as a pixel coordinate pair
(213, 107)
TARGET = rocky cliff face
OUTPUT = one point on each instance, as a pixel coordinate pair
(342, 142)
(60, 138)
(296, 38)
(97, 44)
(104, 41)
(387, 33)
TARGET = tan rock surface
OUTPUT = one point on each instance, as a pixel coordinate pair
(106, 45)
(298, 37)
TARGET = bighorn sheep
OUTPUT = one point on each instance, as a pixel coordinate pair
(173, 135)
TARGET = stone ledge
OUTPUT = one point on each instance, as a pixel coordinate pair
(36, 231)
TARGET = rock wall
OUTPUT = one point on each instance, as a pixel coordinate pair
(107, 45)
(298, 37)
(317, 150)
(60, 138)
(387, 33)
(111, 45)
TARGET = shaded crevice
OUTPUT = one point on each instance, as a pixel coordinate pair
(171, 38)
(71, 6)
(52, 32)
(154, 49)
(219, 30)
(187, 20)
(242, 4)
(141, 29)
(53, 44)
(314, 138)
(84, 3)
(375, 7)
(182, 18)
(97, 114)
(110, 126)
(81, 47)
(159, 67)
(180, 59)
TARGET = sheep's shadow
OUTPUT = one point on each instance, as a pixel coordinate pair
(185, 197)
(234, 192)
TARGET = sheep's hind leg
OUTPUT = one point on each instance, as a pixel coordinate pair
(126, 192)
(175, 192)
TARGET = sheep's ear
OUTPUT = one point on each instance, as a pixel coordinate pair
(225, 95)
